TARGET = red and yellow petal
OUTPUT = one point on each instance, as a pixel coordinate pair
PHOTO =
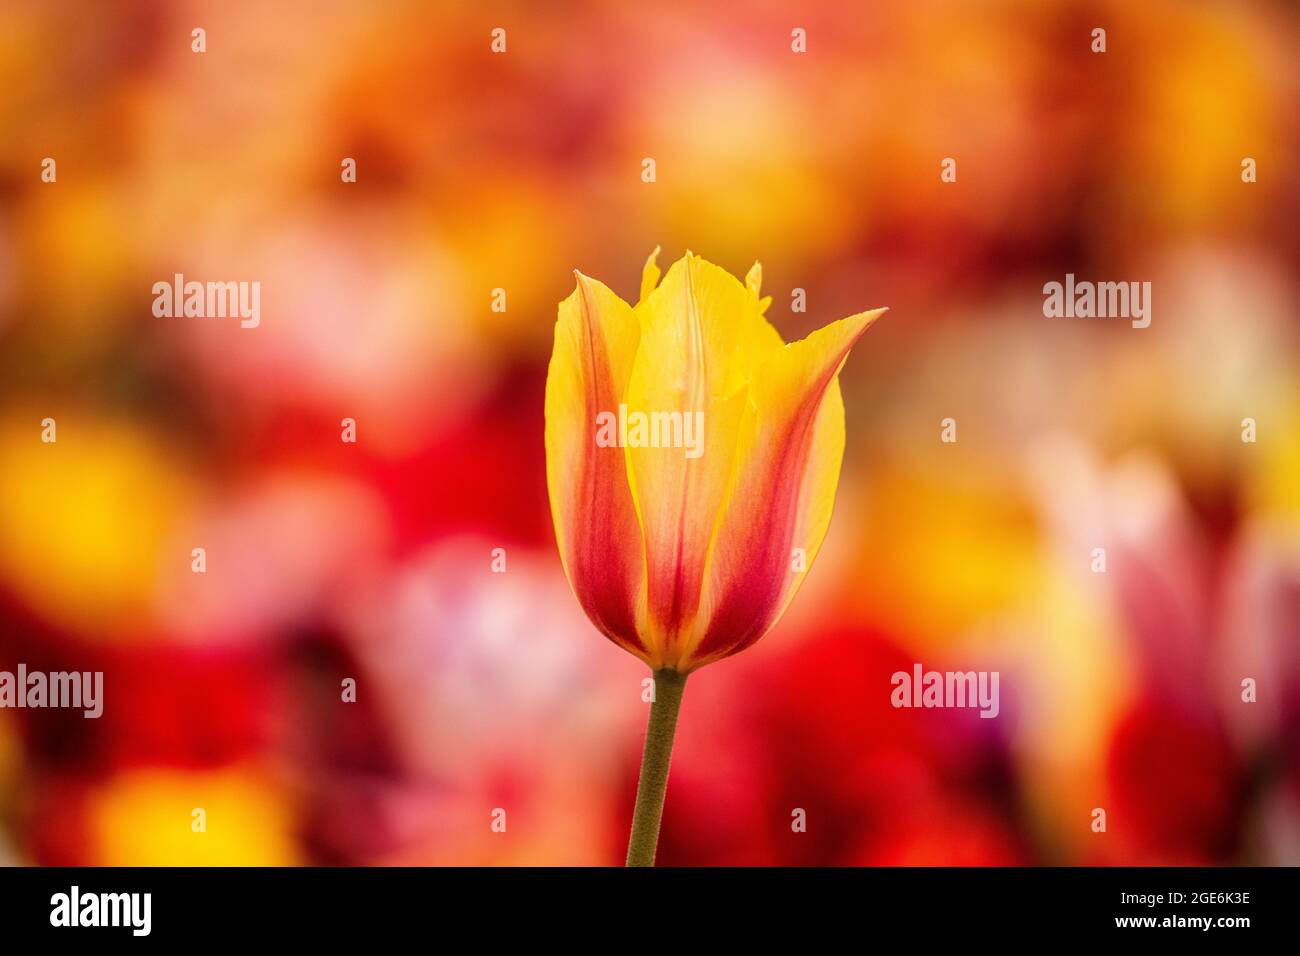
(788, 462)
(702, 337)
(596, 527)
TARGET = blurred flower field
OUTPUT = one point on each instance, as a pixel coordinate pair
(477, 171)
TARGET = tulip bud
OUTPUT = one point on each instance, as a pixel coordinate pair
(689, 453)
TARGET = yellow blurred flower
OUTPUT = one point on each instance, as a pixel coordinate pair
(84, 519)
(956, 551)
(228, 817)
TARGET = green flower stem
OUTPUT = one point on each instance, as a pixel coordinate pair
(650, 790)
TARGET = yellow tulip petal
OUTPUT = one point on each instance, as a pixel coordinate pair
(702, 337)
(649, 275)
(679, 502)
(596, 526)
(703, 326)
(754, 283)
(145, 817)
(788, 464)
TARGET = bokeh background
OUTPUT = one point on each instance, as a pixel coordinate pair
(481, 690)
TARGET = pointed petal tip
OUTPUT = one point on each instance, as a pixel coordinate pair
(650, 274)
(583, 280)
(858, 323)
(869, 317)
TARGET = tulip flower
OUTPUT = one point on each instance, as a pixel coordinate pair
(692, 459)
